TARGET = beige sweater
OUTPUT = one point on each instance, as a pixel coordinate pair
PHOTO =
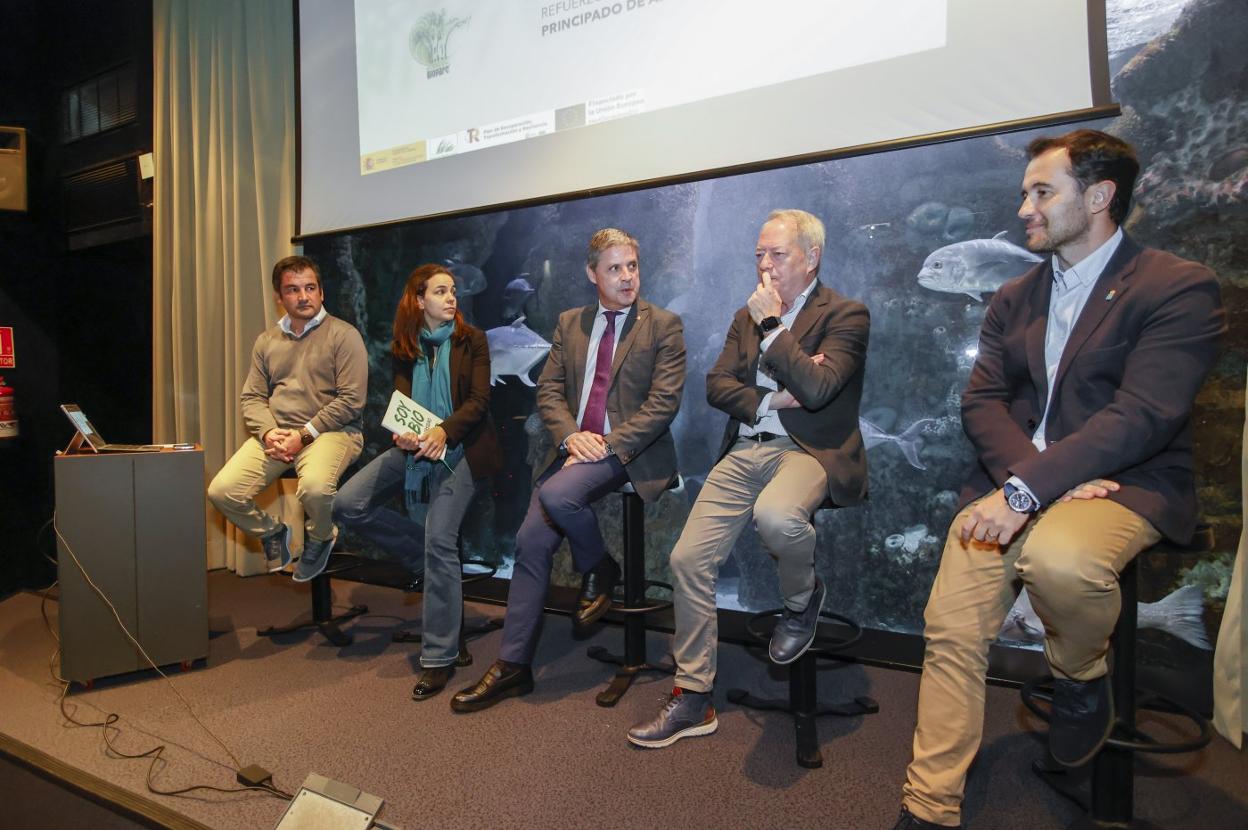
(320, 378)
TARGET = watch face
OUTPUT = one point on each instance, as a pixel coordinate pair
(1020, 501)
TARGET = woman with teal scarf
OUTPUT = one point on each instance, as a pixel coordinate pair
(443, 364)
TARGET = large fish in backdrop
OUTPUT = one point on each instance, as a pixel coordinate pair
(1179, 614)
(515, 295)
(908, 441)
(975, 267)
(514, 350)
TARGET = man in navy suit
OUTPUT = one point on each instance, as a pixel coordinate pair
(1079, 408)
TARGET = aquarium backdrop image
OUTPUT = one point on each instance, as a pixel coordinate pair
(923, 237)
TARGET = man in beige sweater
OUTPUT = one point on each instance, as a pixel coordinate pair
(302, 403)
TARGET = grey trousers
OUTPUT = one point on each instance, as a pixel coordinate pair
(781, 486)
(443, 610)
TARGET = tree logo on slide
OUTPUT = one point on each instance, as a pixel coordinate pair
(429, 39)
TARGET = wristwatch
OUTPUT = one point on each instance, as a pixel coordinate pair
(769, 324)
(305, 437)
(1018, 499)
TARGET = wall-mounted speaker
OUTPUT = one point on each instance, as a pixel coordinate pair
(12, 168)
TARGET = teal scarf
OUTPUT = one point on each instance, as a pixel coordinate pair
(431, 388)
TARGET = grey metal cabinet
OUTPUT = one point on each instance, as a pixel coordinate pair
(134, 523)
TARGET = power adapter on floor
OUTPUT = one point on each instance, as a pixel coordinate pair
(254, 776)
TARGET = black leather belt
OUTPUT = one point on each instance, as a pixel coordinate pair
(762, 436)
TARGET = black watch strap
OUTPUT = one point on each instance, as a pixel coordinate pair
(1019, 500)
(769, 324)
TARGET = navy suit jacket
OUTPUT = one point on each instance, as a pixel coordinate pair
(1123, 392)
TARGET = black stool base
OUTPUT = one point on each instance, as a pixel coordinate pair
(323, 617)
(1088, 823)
(805, 712)
(1074, 785)
(803, 703)
(328, 627)
(624, 678)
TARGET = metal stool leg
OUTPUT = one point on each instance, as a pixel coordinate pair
(633, 662)
(803, 703)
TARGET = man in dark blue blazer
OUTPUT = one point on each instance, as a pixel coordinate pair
(1079, 408)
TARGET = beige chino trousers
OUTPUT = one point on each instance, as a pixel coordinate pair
(1069, 557)
(780, 485)
(319, 465)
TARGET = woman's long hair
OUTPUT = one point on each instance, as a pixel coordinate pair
(409, 319)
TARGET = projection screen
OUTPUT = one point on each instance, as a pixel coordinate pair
(419, 108)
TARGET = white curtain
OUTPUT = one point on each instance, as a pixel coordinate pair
(1230, 670)
(224, 146)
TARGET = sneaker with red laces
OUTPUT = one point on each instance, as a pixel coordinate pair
(684, 715)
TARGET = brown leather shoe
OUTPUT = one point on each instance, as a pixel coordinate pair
(498, 683)
(431, 681)
(597, 587)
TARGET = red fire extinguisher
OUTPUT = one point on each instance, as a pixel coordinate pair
(8, 412)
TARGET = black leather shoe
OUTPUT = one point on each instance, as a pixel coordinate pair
(1081, 720)
(431, 681)
(907, 821)
(795, 631)
(597, 586)
(496, 684)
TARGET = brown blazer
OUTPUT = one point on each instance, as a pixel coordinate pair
(647, 379)
(1123, 391)
(469, 424)
(826, 423)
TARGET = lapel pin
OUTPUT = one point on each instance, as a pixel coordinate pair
(1112, 293)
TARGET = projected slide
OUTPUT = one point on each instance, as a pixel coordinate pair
(444, 77)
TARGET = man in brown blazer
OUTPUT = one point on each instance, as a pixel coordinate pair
(790, 378)
(608, 394)
(1078, 407)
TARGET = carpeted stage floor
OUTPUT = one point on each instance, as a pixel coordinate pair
(553, 759)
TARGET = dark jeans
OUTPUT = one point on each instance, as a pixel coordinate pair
(559, 507)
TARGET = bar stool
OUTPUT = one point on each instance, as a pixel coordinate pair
(1111, 801)
(323, 617)
(634, 605)
(803, 702)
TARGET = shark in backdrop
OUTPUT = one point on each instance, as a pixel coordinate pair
(514, 350)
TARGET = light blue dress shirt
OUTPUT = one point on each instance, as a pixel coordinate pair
(1071, 289)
